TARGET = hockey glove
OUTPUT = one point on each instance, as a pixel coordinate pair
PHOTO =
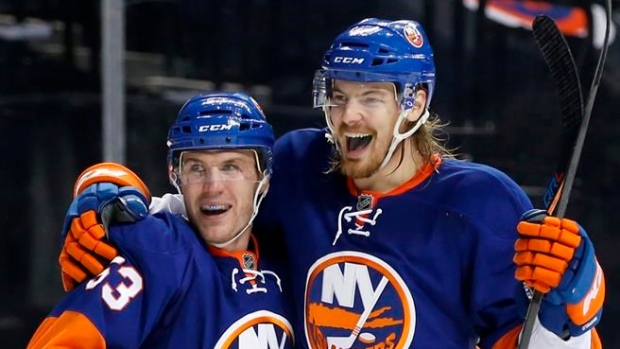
(556, 257)
(104, 193)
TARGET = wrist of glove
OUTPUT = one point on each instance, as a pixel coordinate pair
(104, 193)
(556, 257)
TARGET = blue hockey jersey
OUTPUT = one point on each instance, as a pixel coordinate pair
(168, 291)
(428, 265)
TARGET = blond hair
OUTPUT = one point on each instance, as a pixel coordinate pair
(431, 138)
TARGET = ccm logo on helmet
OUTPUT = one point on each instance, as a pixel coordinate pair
(221, 127)
(348, 60)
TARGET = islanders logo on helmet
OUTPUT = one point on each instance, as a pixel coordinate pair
(221, 121)
(413, 35)
(382, 44)
(355, 300)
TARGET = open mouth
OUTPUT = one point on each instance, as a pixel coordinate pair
(214, 210)
(357, 142)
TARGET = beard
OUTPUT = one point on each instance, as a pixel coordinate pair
(369, 164)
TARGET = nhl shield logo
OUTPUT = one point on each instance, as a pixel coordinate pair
(249, 262)
(364, 202)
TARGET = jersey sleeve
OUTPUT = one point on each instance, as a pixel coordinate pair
(495, 207)
(125, 303)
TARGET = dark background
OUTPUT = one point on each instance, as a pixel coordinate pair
(493, 89)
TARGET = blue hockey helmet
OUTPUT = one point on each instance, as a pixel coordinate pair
(221, 121)
(375, 50)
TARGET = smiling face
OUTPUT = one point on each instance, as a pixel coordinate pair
(363, 116)
(218, 189)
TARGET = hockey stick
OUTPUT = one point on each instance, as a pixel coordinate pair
(559, 59)
(347, 342)
(575, 122)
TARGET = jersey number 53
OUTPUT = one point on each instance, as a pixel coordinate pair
(118, 296)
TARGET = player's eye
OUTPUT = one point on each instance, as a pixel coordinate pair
(230, 168)
(338, 100)
(371, 100)
(196, 169)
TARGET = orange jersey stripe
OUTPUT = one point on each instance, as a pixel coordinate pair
(509, 340)
(69, 330)
(423, 173)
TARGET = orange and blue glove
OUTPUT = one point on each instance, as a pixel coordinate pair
(105, 192)
(556, 257)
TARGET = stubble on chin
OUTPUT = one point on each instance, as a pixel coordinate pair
(364, 167)
(357, 168)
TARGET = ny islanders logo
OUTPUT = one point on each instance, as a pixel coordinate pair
(412, 33)
(355, 300)
(259, 330)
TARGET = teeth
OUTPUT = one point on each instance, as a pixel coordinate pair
(356, 135)
(214, 207)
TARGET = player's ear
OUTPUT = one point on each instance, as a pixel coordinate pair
(172, 176)
(419, 105)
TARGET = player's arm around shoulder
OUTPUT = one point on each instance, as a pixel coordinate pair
(137, 284)
(161, 246)
(159, 233)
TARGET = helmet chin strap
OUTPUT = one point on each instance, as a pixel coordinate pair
(331, 135)
(174, 177)
(399, 137)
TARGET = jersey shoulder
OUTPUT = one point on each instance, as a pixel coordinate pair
(161, 247)
(470, 177)
(485, 194)
(299, 150)
(162, 233)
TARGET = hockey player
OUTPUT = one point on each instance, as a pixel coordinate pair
(392, 242)
(183, 282)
